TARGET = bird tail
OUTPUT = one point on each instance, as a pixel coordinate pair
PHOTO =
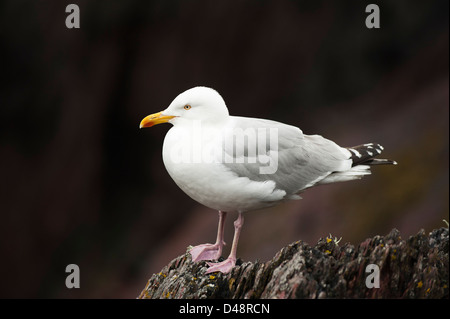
(362, 156)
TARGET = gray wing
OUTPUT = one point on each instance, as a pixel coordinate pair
(267, 150)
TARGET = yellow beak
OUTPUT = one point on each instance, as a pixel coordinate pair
(154, 119)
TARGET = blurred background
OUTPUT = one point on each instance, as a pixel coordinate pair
(80, 183)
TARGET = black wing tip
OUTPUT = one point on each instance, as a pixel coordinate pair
(365, 154)
(377, 161)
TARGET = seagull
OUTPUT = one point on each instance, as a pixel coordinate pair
(241, 164)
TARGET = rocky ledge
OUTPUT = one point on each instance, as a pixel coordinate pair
(379, 267)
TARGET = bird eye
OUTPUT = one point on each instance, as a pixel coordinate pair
(187, 107)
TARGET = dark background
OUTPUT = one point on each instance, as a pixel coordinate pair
(80, 183)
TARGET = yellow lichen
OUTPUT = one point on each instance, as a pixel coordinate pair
(230, 283)
(212, 277)
(327, 252)
(329, 240)
(420, 284)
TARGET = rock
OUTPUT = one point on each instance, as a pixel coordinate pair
(413, 268)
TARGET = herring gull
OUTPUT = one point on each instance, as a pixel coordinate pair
(240, 164)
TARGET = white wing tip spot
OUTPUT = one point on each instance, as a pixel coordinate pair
(355, 152)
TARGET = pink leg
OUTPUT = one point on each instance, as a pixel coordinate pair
(228, 264)
(210, 251)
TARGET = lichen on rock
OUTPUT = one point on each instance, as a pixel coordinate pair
(413, 268)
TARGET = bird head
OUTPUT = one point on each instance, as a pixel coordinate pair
(197, 104)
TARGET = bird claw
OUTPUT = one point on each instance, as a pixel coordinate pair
(206, 252)
(224, 266)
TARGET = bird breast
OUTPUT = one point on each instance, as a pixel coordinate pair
(193, 162)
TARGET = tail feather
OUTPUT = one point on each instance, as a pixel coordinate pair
(362, 157)
(356, 172)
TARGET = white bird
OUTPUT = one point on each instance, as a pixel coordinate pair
(240, 164)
